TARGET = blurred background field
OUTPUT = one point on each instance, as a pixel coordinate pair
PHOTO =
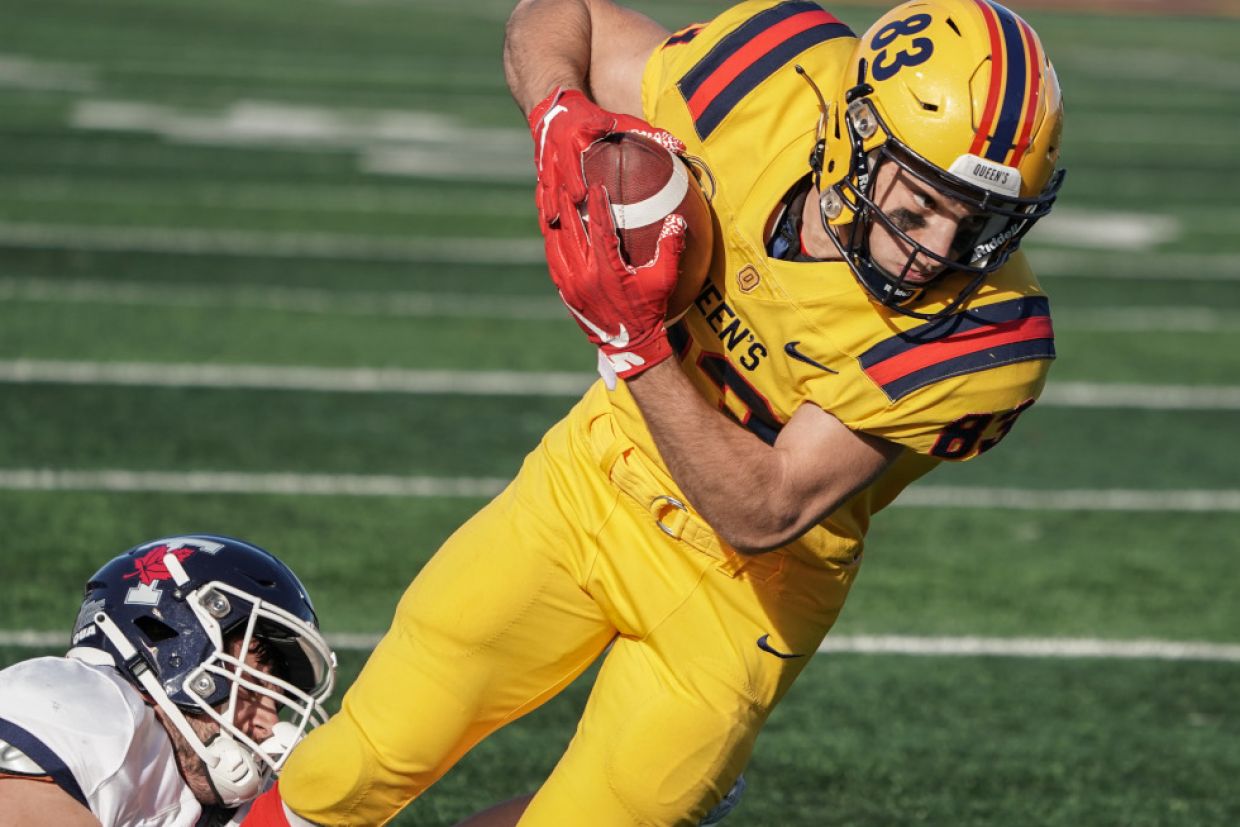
(270, 269)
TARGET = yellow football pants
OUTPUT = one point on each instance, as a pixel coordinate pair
(582, 550)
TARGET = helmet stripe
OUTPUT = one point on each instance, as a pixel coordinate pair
(1034, 57)
(751, 54)
(1014, 87)
(1010, 74)
(996, 78)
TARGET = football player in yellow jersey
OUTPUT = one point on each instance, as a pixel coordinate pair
(698, 518)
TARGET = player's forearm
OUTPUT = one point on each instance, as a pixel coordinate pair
(546, 44)
(703, 449)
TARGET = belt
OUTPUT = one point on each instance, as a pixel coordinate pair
(622, 462)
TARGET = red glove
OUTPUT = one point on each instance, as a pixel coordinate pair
(564, 125)
(621, 308)
(268, 811)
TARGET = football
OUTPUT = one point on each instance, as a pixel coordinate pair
(646, 183)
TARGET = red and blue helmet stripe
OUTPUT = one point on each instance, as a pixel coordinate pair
(1006, 125)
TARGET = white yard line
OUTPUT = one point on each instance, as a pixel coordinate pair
(512, 383)
(1033, 647)
(1027, 499)
(280, 377)
(1058, 648)
(1121, 319)
(285, 299)
(1142, 397)
(273, 244)
(225, 482)
(1047, 261)
(114, 480)
(1146, 265)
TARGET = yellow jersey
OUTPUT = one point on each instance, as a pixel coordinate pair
(767, 335)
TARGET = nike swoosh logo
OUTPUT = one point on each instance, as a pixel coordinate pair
(546, 125)
(791, 350)
(618, 339)
(765, 645)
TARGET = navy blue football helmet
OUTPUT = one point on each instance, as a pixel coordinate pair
(177, 616)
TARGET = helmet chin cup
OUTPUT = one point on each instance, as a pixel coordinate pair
(235, 774)
(284, 736)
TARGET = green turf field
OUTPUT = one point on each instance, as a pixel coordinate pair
(339, 186)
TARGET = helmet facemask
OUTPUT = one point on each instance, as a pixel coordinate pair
(299, 681)
(985, 239)
(189, 652)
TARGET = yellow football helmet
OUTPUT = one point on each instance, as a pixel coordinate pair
(961, 96)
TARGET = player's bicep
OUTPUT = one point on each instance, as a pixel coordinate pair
(825, 462)
(621, 42)
(35, 801)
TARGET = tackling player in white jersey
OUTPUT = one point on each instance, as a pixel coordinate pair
(196, 663)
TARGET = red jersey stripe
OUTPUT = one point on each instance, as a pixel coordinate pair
(750, 53)
(933, 353)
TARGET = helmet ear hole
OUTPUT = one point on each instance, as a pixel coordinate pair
(154, 630)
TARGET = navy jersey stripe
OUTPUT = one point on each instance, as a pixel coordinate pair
(42, 755)
(1004, 137)
(991, 314)
(723, 50)
(678, 338)
(762, 69)
(971, 363)
(683, 37)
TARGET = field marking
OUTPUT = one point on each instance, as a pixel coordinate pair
(528, 250)
(511, 383)
(116, 480)
(1032, 647)
(266, 197)
(1129, 319)
(456, 250)
(286, 299)
(1108, 230)
(1168, 319)
(237, 482)
(919, 646)
(386, 141)
(280, 377)
(1147, 266)
(19, 72)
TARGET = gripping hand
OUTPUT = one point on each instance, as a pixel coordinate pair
(564, 124)
(620, 307)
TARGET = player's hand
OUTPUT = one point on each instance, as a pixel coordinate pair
(564, 125)
(620, 307)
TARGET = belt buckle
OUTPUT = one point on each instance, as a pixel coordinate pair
(675, 503)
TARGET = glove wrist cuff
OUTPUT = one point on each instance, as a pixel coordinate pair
(638, 356)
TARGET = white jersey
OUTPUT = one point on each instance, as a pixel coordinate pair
(89, 729)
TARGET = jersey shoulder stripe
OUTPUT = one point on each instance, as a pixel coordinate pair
(749, 55)
(685, 35)
(48, 761)
(1011, 331)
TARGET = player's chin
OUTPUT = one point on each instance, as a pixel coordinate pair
(915, 276)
